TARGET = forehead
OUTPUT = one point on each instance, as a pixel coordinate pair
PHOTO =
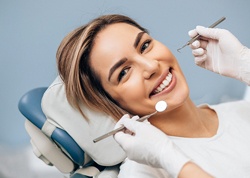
(111, 44)
(114, 34)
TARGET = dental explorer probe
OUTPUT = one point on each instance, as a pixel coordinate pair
(160, 106)
(198, 36)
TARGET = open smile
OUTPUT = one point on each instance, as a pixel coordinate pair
(164, 84)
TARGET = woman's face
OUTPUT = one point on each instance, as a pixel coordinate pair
(136, 70)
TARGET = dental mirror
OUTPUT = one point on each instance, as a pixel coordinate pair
(159, 107)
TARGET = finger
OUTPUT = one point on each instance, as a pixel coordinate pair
(192, 33)
(199, 61)
(122, 138)
(132, 125)
(120, 122)
(127, 131)
(198, 52)
(203, 44)
(134, 118)
(212, 33)
(195, 44)
(128, 123)
(199, 44)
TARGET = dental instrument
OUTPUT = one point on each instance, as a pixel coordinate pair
(159, 107)
(198, 36)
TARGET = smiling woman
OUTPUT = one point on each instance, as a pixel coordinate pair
(113, 65)
(73, 58)
(131, 59)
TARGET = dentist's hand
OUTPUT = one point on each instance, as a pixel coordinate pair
(220, 51)
(149, 145)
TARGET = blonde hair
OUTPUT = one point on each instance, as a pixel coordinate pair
(82, 85)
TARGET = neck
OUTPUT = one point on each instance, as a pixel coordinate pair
(187, 120)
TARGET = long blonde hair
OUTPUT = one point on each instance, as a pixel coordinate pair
(82, 85)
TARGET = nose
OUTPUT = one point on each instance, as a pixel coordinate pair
(149, 67)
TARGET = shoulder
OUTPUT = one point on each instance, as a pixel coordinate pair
(132, 169)
(241, 106)
(236, 110)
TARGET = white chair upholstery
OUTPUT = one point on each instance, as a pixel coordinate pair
(247, 94)
(60, 113)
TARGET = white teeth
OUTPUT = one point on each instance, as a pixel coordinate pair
(162, 86)
(164, 83)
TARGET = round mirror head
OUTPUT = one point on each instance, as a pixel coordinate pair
(161, 106)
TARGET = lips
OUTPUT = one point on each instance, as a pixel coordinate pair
(163, 84)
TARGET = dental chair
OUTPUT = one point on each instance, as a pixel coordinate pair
(62, 137)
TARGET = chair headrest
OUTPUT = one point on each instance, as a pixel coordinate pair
(59, 112)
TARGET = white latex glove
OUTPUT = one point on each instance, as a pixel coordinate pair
(220, 51)
(149, 145)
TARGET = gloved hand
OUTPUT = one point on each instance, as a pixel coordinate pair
(220, 51)
(149, 145)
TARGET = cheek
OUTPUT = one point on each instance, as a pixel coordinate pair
(130, 91)
(128, 95)
(163, 51)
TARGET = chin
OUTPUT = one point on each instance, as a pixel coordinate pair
(178, 99)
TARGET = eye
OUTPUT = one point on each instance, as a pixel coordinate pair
(122, 74)
(145, 45)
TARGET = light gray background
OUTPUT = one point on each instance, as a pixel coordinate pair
(30, 32)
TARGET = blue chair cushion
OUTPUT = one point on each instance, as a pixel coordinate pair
(30, 106)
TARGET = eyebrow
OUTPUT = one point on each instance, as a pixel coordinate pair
(123, 60)
(117, 65)
(138, 38)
